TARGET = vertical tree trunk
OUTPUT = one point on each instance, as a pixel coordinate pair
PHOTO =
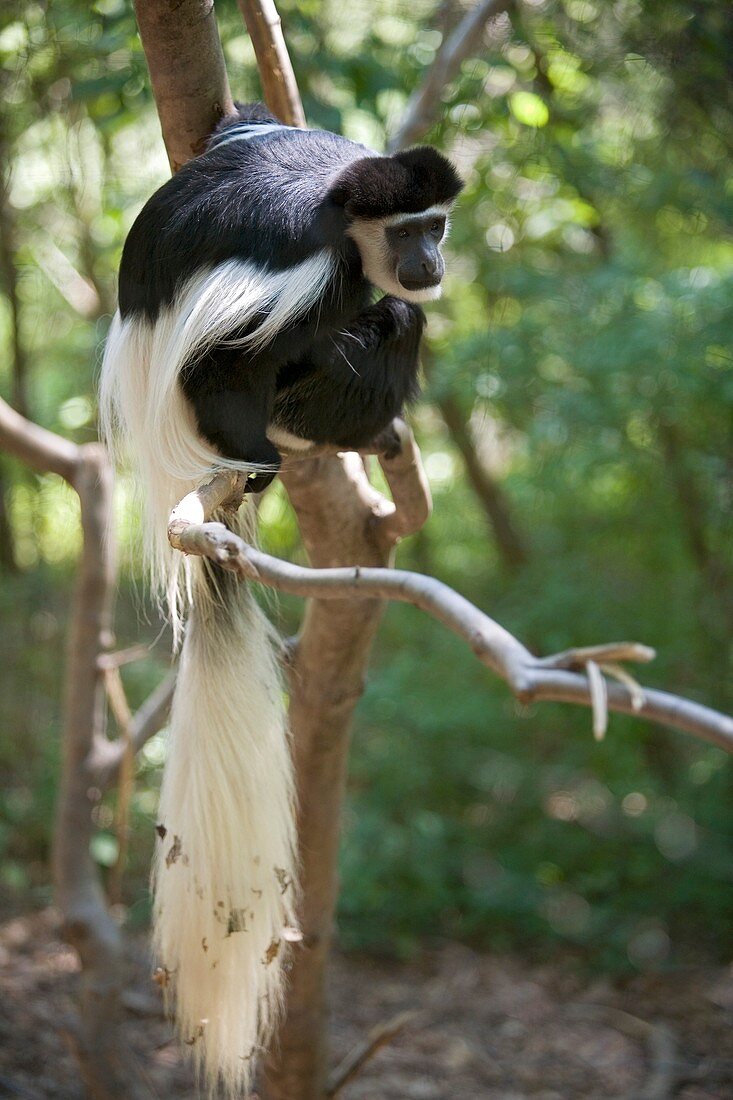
(8, 564)
(106, 1065)
(336, 507)
(716, 580)
(187, 71)
(8, 267)
(509, 542)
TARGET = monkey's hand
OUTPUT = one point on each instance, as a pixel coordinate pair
(392, 318)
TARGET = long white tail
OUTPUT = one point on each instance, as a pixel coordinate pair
(224, 871)
(223, 874)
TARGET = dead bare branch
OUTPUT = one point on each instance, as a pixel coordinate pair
(530, 678)
(73, 287)
(120, 657)
(355, 1061)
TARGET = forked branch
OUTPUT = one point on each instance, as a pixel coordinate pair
(574, 676)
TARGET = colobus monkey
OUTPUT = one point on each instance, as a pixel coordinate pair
(247, 322)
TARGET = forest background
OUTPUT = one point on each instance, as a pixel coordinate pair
(577, 429)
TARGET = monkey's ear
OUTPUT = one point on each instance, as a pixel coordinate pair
(359, 190)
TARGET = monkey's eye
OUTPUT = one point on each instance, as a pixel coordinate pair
(436, 228)
(403, 234)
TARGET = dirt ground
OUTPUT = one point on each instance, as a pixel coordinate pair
(484, 1026)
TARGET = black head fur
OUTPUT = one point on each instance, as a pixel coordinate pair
(407, 182)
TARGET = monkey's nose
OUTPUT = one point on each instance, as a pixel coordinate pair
(430, 266)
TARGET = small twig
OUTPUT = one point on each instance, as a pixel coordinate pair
(596, 660)
(77, 290)
(151, 715)
(598, 699)
(612, 651)
(355, 1061)
(636, 691)
(104, 762)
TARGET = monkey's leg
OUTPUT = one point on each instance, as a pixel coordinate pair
(233, 408)
(353, 382)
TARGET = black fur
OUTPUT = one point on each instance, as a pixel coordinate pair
(406, 182)
(340, 373)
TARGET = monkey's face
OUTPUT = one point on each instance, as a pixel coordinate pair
(401, 254)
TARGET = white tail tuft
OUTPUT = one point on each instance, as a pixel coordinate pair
(224, 869)
(224, 873)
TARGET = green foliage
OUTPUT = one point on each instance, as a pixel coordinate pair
(586, 336)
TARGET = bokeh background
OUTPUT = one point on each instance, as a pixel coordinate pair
(577, 427)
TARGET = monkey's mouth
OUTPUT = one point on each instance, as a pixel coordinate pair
(419, 284)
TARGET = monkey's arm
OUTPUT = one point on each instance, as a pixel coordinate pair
(353, 382)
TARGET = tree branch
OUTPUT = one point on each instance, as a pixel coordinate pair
(74, 288)
(102, 1050)
(424, 104)
(356, 1059)
(42, 450)
(399, 456)
(105, 757)
(531, 679)
(187, 71)
(279, 85)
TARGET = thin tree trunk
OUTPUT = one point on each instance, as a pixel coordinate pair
(335, 506)
(8, 267)
(713, 571)
(187, 71)
(509, 542)
(107, 1068)
(8, 563)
